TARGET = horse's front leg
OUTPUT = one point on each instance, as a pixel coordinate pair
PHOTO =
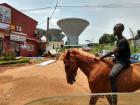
(108, 97)
(93, 100)
(112, 99)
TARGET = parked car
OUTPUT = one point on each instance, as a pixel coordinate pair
(86, 48)
(135, 58)
(103, 52)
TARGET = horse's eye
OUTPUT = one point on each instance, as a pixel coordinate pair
(66, 66)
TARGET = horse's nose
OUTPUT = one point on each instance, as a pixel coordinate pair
(71, 81)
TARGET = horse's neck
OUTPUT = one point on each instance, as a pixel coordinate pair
(85, 65)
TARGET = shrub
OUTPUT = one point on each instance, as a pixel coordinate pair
(8, 56)
(22, 60)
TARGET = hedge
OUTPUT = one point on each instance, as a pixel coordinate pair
(22, 60)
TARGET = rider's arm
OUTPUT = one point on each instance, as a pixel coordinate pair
(110, 53)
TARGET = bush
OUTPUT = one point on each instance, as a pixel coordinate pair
(22, 60)
(102, 47)
(7, 56)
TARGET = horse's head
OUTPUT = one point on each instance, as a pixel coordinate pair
(71, 67)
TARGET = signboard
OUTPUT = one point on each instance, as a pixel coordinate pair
(17, 38)
(5, 15)
(4, 26)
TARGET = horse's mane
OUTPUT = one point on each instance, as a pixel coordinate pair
(90, 57)
(87, 56)
(82, 53)
(76, 51)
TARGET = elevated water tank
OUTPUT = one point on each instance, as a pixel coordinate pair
(72, 27)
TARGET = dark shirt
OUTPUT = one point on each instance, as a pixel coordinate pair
(123, 54)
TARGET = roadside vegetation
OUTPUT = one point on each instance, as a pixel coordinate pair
(101, 47)
(10, 58)
(107, 42)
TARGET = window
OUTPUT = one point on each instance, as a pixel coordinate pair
(17, 47)
(1, 45)
(30, 47)
(12, 46)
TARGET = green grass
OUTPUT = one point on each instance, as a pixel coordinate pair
(102, 47)
(22, 60)
(110, 47)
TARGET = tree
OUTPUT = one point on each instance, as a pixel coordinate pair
(41, 31)
(107, 38)
(138, 35)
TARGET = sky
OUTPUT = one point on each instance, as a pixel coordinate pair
(102, 15)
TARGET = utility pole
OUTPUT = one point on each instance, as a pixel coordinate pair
(135, 49)
(48, 19)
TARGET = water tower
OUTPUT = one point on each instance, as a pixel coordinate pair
(72, 27)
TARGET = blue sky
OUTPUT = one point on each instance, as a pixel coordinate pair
(101, 19)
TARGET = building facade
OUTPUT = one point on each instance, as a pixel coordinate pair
(18, 32)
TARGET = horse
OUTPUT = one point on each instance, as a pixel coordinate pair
(97, 73)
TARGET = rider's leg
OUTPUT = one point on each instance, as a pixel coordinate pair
(116, 70)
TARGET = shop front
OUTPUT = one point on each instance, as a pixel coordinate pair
(18, 32)
(16, 43)
(1, 43)
(5, 21)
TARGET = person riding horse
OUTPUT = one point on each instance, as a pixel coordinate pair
(122, 55)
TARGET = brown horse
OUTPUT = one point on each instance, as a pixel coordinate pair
(97, 72)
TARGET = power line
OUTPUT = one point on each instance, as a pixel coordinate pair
(54, 9)
(35, 9)
(51, 23)
(85, 6)
(51, 14)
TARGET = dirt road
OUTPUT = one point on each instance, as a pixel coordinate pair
(23, 84)
(27, 83)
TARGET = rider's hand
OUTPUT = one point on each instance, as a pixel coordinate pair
(101, 58)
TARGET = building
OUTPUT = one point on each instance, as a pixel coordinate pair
(55, 37)
(18, 32)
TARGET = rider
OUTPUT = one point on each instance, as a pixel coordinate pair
(122, 56)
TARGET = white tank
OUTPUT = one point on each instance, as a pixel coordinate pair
(72, 27)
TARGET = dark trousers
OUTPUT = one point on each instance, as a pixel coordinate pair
(116, 70)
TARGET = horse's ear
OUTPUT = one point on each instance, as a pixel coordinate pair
(68, 55)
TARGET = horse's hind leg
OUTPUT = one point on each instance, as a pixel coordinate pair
(93, 100)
